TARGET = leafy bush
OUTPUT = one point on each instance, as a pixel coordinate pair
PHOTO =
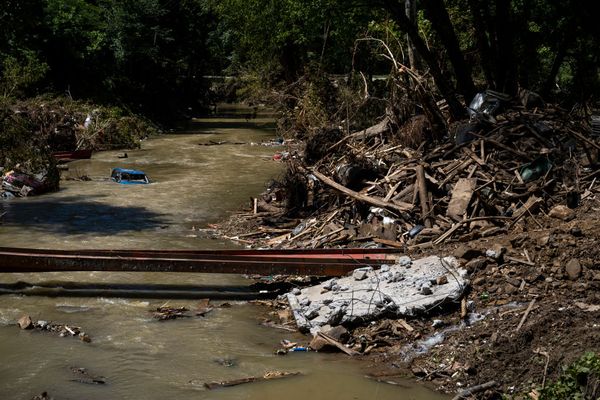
(580, 380)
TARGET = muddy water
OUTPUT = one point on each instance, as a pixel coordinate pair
(142, 358)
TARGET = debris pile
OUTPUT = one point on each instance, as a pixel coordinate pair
(61, 330)
(491, 172)
(18, 184)
(164, 313)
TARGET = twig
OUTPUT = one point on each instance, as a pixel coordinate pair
(545, 354)
(457, 225)
(525, 315)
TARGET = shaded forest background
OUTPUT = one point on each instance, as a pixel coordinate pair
(152, 56)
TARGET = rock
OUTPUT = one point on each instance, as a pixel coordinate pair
(384, 268)
(544, 240)
(312, 313)
(404, 261)
(339, 333)
(475, 265)
(577, 232)
(441, 280)
(397, 276)
(496, 252)
(359, 274)
(510, 289)
(296, 291)
(437, 323)
(25, 322)
(336, 316)
(513, 281)
(305, 301)
(467, 253)
(490, 253)
(329, 284)
(318, 343)
(562, 212)
(573, 269)
(426, 289)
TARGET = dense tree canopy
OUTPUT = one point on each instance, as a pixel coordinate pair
(151, 55)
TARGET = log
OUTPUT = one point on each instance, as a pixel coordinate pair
(474, 389)
(371, 131)
(423, 196)
(376, 201)
(234, 382)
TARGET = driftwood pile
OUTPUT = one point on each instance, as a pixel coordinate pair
(489, 174)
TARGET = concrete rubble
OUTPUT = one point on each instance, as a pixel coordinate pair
(407, 288)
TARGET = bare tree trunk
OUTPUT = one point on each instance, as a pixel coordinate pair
(558, 60)
(506, 78)
(440, 20)
(457, 110)
(483, 44)
(411, 12)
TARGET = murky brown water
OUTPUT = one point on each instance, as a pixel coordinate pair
(142, 358)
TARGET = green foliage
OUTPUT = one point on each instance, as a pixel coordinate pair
(288, 35)
(77, 23)
(579, 381)
(19, 75)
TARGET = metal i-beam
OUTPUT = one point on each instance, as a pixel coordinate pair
(303, 262)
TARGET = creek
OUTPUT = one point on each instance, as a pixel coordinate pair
(141, 357)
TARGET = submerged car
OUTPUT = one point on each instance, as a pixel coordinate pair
(128, 176)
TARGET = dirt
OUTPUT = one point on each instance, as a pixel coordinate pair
(494, 348)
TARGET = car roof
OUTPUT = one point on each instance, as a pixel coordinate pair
(128, 171)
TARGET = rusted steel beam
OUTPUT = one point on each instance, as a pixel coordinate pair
(354, 253)
(299, 263)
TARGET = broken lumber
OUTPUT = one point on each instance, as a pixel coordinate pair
(399, 206)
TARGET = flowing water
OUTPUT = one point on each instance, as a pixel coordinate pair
(140, 357)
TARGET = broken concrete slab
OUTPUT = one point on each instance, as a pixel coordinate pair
(397, 290)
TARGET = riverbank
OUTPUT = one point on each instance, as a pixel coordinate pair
(34, 131)
(514, 202)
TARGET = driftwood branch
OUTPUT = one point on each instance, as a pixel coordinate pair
(474, 389)
(376, 201)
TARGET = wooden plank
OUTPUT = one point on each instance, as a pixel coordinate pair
(423, 196)
(461, 197)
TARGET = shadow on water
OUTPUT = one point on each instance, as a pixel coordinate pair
(197, 127)
(77, 214)
(141, 290)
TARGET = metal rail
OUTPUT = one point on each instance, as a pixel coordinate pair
(263, 262)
